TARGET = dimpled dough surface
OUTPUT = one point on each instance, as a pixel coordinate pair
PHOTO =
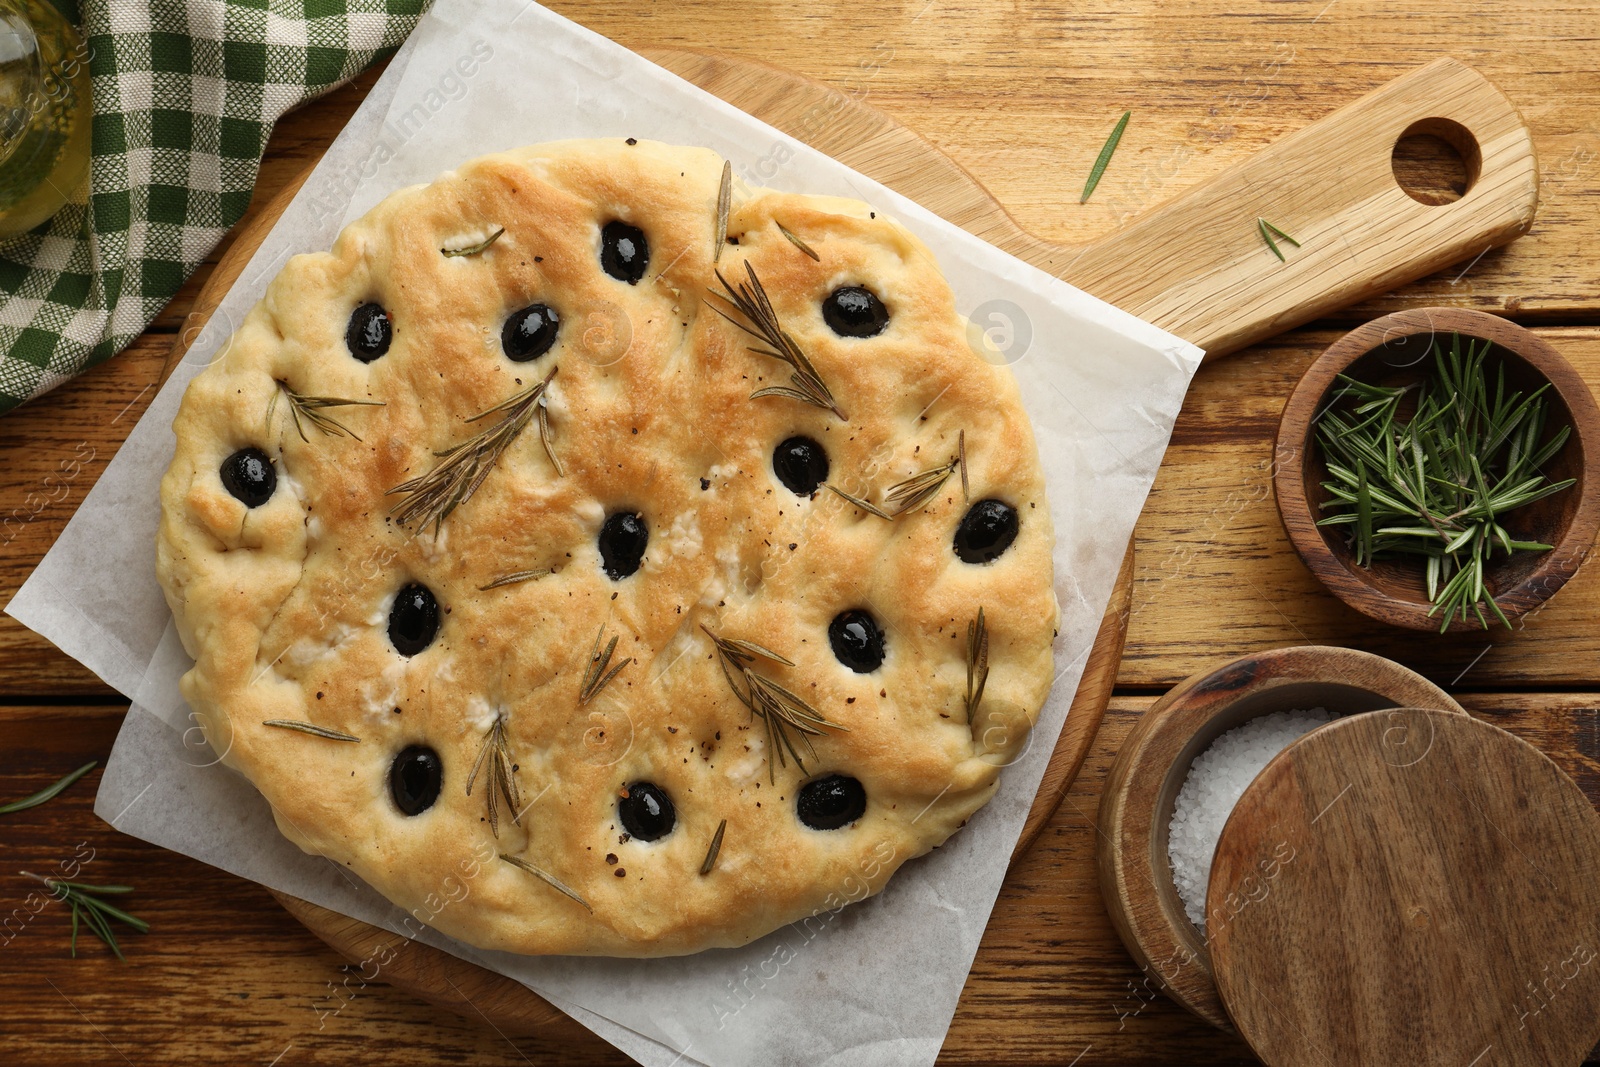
(285, 606)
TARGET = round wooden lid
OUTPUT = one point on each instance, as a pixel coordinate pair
(1410, 886)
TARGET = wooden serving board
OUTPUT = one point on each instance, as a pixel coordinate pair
(1194, 266)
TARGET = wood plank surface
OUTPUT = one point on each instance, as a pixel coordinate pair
(225, 977)
(1022, 96)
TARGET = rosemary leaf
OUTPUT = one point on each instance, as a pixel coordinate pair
(794, 240)
(463, 467)
(1104, 157)
(716, 847)
(872, 509)
(49, 792)
(1267, 230)
(961, 455)
(549, 879)
(308, 728)
(977, 663)
(472, 250)
(518, 576)
(547, 438)
(724, 202)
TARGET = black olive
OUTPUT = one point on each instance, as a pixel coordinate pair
(414, 619)
(831, 802)
(855, 311)
(369, 332)
(624, 252)
(529, 333)
(414, 779)
(856, 640)
(622, 542)
(646, 812)
(249, 476)
(801, 464)
(986, 530)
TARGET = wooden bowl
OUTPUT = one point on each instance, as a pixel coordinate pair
(1397, 350)
(1136, 805)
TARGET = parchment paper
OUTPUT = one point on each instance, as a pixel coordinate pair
(874, 983)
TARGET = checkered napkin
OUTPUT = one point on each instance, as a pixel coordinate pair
(185, 93)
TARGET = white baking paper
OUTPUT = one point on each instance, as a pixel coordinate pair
(875, 983)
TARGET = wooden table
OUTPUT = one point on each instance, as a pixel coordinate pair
(1022, 96)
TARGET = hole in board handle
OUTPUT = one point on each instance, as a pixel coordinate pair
(1436, 161)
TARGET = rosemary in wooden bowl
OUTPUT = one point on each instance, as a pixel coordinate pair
(1441, 484)
(1435, 469)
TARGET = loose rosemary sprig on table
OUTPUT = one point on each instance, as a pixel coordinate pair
(751, 303)
(780, 708)
(95, 913)
(1439, 484)
(463, 467)
(49, 792)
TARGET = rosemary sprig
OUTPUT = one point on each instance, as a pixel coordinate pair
(1438, 485)
(780, 708)
(977, 663)
(596, 677)
(308, 728)
(463, 467)
(49, 792)
(794, 240)
(549, 879)
(496, 750)
(95, 913)
(1267, 230)
(518, 576)
(312, 407)
(472, 250)
(751, 303)
(918, 491)
(716, 847)
(1104, 157)
(724, 202)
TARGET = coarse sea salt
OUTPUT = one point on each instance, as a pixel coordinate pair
(1217, 779)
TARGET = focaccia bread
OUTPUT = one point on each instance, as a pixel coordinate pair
(588, 584)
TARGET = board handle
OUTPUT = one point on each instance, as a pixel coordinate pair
(1199, 267)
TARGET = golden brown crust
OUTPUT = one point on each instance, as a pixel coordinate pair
(284, 606)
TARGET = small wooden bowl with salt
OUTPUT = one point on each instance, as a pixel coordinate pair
(1136, 809)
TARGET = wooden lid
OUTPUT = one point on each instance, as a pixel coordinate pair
(1410, 886)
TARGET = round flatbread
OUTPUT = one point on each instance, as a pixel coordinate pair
(589, 585)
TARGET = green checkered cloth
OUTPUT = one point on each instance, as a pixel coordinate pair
(185, 94)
